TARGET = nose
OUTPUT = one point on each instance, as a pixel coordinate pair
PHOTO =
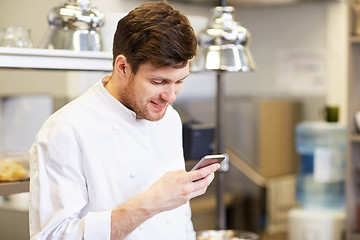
(169, 93)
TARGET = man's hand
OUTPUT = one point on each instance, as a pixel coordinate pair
(172, 190)
(176, 188)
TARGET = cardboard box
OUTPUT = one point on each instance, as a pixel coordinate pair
(276, 133)
(262, 132)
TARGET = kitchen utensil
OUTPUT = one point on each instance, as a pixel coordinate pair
(75, 25)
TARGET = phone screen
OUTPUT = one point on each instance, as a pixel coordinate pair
(208, 160)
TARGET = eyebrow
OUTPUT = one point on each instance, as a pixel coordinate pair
(167, 79)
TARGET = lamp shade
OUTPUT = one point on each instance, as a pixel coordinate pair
(223, 45)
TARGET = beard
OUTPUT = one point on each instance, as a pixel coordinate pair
(142, 107)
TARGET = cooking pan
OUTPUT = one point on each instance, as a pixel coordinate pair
(226, 235)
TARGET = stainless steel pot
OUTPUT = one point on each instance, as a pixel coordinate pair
(75, 25)
(226, 235)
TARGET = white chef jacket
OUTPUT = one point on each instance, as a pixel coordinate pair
(92, 155)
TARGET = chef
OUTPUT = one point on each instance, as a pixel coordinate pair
(109, 165)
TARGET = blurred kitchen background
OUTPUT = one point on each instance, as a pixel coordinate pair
(301, 52)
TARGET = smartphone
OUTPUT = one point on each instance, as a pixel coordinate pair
(208, 160)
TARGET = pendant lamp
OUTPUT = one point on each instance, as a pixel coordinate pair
(222, 47)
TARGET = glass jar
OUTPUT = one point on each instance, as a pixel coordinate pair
(16, 37)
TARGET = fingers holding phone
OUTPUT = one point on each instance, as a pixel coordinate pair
(177, 187)
(206, 166)
(208, 160)
(202, 178)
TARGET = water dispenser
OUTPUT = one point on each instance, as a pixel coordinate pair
(321, 175)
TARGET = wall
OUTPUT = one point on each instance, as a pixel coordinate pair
(274, 29)
(322, 30)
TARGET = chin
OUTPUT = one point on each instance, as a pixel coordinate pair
(151, 117)
(155, 118)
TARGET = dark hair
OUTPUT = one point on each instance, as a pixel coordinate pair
(155, 33)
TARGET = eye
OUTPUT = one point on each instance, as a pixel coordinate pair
(157, 82)
(160, 81)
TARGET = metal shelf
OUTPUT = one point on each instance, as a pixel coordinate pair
(34, 58)
(353, 147)
(45, 59)
(7, 188)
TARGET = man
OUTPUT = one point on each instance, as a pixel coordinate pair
(109, 165)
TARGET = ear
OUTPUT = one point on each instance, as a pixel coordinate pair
(122, 67)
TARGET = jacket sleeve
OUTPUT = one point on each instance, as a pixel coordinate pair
(58, 189)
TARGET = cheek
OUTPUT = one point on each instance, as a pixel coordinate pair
(178, 88)
(149, 91)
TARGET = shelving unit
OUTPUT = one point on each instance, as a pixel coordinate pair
(7, 188)
(353, 144)
(32, 58)
(44, 59)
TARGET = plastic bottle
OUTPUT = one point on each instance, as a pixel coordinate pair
(321, 175)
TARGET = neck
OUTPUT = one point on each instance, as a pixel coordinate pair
(112, 86)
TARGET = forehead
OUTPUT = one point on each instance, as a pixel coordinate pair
(148, 70)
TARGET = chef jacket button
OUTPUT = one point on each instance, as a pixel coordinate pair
(131, 175)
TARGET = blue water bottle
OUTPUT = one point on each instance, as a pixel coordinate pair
(321, 176)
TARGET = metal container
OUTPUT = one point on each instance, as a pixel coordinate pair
(75, 25)
(226, 235)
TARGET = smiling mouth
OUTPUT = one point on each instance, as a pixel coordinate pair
(159, 106)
